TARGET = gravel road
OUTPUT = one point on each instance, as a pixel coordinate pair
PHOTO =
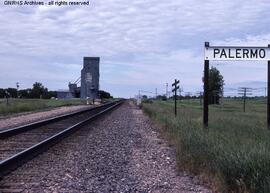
(120, 152)
(24, 118)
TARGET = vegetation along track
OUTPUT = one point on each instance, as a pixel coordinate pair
(17, 145)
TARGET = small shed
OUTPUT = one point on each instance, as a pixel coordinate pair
(64, 94)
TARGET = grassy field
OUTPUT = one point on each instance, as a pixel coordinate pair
(233, 153)
(25, 105)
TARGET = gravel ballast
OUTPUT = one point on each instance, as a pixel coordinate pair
(119, 152)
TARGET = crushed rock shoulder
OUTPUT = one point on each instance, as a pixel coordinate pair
(119, 152)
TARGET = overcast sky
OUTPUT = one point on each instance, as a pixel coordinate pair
(142, 44)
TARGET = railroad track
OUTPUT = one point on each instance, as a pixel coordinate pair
(20, 144)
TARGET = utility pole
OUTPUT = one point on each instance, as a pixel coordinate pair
(167, 90)
(244, 91)
(7, 94)
(156, 93)
(18, 86)
(176, 87)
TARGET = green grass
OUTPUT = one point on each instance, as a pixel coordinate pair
(26, 105)
(233, 152)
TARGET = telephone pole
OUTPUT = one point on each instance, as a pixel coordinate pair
(18, 86)
(176, 87)
(167, 90)
(244, 91)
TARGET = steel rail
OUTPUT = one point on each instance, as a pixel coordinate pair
(5, 133)
(13, 162)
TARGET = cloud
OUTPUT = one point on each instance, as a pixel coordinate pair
(141, 43)
(262, 40)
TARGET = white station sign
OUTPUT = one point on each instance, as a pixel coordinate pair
(237, 53)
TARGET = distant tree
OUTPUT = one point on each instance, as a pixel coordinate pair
(25, 93)
(2, 93)
(144, 97)
(12, 92)
(38, 90)
(216, 84)
(104, 95)
(162, 97)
